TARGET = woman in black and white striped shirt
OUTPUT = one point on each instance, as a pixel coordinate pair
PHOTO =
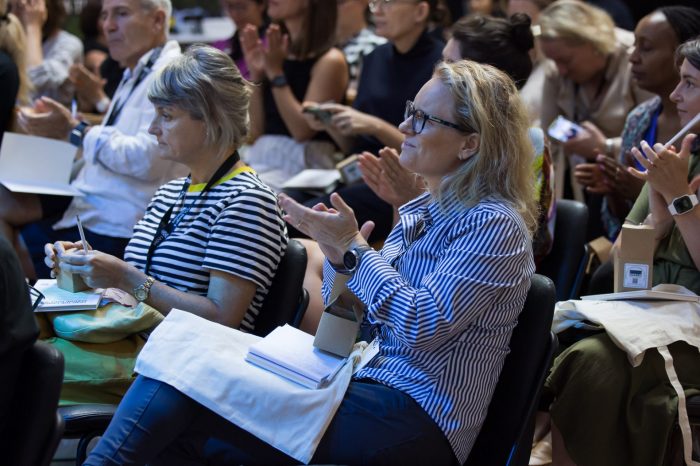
(209, 243)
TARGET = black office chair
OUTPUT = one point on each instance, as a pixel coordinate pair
(506, 435)
(36, 425)
(285, 303)
(565, 262)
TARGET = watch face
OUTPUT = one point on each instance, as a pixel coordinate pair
(350, 260)
(140, 294)
(682, 204)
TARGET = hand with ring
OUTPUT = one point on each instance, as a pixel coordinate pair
(335, 229)
(666, 169)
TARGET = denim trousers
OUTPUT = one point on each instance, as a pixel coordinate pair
(375, 424)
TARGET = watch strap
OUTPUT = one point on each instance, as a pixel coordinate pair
(279, 81)
(78, 133)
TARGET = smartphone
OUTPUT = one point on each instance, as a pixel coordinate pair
(562, 129)
(349, 169)
(324, 116)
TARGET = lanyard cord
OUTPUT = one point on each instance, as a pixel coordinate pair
(166, 227)
(119, 106)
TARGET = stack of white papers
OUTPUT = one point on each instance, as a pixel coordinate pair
(57, 299)
(290, 353)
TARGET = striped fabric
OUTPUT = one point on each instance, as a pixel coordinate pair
(236, 227)
(444, 295)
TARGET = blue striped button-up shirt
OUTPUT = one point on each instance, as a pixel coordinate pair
(444, 294)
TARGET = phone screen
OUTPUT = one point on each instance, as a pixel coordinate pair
(562, 129)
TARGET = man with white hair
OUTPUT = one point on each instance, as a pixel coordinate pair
(121, 170)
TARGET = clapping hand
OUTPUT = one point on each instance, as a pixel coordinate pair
(388, 178)
(48, 118)
(666, 170)
(335, 229)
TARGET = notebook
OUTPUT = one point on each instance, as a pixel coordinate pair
(289, 352)
(314, 179)
(57, 299)
(666, 292)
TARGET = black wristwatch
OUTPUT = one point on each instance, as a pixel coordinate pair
(78, 133)
(278, 81)
(352, 258)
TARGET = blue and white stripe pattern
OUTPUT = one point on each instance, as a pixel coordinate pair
(236, 227)
(445, 293)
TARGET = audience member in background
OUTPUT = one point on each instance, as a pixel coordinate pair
(355, 38)
(618, 11)
(607, 412)
(243, 13)
(588, 82)
(13, 74)
(122, 168)
(390, 76)
(94, 42)
(656, 120)
(295, 62)
(423, 397)
(531, 92)
(96, 81)
(50, 50)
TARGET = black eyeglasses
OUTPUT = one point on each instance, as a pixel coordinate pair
(36, 296)
(419, 117)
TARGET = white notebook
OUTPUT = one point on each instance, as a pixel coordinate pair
(32, 164)
(663, 292)
(58, 299)
(318, 179)
(290, 353)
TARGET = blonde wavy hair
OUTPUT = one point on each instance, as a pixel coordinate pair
(578, 23)
(487, 100)
(13, 42)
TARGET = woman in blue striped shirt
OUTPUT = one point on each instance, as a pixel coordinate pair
(442, 296)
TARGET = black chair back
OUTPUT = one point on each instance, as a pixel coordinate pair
(506, 435)
(36, 427)
(286, 300)
(564, 261)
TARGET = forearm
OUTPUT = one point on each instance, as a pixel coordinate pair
(290, 109)
(35, 55)
(165, 298)
(388, 134)
(689, 225)
(257, 113)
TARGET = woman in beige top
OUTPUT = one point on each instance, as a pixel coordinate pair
(588, 81)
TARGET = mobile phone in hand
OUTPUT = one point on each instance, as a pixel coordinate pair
(562, 129)
(324, 116)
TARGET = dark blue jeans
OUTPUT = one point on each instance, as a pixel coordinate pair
(375, 424)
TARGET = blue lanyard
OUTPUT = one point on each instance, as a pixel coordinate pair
(166, 226)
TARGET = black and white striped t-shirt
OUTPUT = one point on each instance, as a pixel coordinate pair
(236, 227)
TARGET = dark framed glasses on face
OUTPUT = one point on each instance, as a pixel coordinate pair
(419, 117)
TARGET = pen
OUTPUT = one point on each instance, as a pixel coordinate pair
(685, 129)
(74, 110)
(82, 234)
